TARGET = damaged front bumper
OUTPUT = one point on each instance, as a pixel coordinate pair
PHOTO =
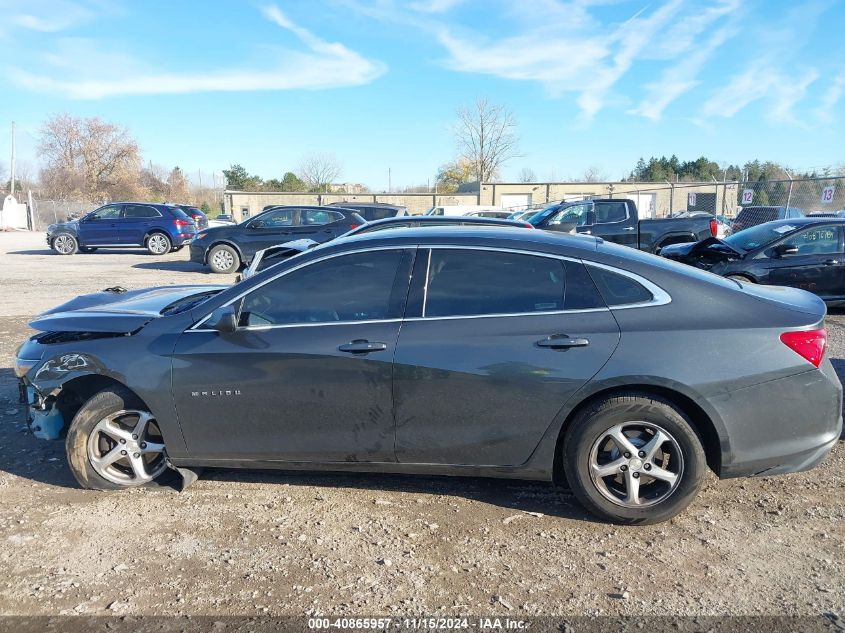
(43, 416)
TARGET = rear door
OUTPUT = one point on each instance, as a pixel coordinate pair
(615, 224)
(320, 225)
(501, 341)
(137, 219)
(819, 265)
(101, 227)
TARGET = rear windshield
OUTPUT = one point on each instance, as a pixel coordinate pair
(757, 215)
(178, 213)
(759, 235)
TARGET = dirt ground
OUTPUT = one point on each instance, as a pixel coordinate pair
(297, 544)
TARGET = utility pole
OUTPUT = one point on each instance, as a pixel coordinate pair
(199, 174)
(13, 160)
(389, 181)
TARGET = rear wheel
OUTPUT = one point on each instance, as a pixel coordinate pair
(65, 244)
(158, 244)
(223, 259)
(633, 459)
(114, 442)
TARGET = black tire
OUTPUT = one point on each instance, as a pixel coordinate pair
(176, 249)
(634, 410)
(98, 408)
(741, 278)
(65, 244)
(87, 249)
(223, 259)
(158, 244)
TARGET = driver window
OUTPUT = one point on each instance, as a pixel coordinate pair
(576, 215)
(349, 288)
(106, 213)
(822, 240)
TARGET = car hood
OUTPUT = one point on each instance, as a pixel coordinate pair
(70, 224)
(115, 309)
(711, 245)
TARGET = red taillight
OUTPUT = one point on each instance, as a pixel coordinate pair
(714, 227)
(810, 345)
(183, 222)
(354, 226)
(528, 225)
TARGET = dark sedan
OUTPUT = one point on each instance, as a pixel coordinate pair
(807, 253)
(225, 248)
(454, 351)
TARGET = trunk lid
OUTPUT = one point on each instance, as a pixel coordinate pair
(790, 298)
(116, 310)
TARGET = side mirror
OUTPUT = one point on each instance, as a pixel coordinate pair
(786, 249)
(90, 218)
(256, 224)
(223, 319)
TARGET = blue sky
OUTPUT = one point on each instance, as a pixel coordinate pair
(592, 83)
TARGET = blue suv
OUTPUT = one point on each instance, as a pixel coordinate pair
(160, 228)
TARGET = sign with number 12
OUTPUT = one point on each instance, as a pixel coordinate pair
(747, 196)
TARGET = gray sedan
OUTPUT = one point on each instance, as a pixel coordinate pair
(459, 351)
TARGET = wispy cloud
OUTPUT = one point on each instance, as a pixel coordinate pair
(830, 99)
(93, 72)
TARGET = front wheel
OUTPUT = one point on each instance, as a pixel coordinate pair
(223, 259)
(65, 244)
(633, 459)
(158, 244)
(114, 442)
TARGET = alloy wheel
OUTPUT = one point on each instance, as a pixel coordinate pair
(223, 260)
(127, 448)
(158, 244)
(636, 464)
(63, 244)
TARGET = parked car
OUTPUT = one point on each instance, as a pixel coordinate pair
(197, 215)
(275, 254)
(373, 210)
(502, 215)
(807, 253)
(495, 352)
(617, 220)
(460, 209)
(160, 228)
(752, 216)
(522, 215)
(225, 248)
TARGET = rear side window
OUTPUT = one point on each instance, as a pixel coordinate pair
(375, 213)
(132, 211)
(611, 212)
(318, 216)
(467, 283)
(619, 290)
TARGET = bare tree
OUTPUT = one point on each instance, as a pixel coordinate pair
(486, 137)
(318, 171)
(88, 159)
(593, 174)
(527, 175)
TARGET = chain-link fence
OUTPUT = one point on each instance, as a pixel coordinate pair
(46, 212)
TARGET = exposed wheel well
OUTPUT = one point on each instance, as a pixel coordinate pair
(676, 239)
(701, 422)
(156, 231)
(78, 391)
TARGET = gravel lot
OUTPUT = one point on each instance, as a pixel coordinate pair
(294, 544)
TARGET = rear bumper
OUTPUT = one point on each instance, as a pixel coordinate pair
(781, 426)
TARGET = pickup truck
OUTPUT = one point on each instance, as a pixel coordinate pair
(617, 220)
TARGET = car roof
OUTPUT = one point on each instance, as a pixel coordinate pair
(505, 236)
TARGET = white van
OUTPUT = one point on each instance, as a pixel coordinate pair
(460, 209)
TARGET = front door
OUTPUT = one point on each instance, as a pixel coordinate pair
(504, 341)
(818, 266)
(307, 376)
(101, 227)
(268, 229)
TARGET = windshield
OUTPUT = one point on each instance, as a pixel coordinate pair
(759, 235)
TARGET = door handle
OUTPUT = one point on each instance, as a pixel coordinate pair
(831, 262)
(562, 341)
(361, 346)
(628, 228)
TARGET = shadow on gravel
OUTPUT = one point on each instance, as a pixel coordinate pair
(45, 251)
(521, 496)
(184, 267)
